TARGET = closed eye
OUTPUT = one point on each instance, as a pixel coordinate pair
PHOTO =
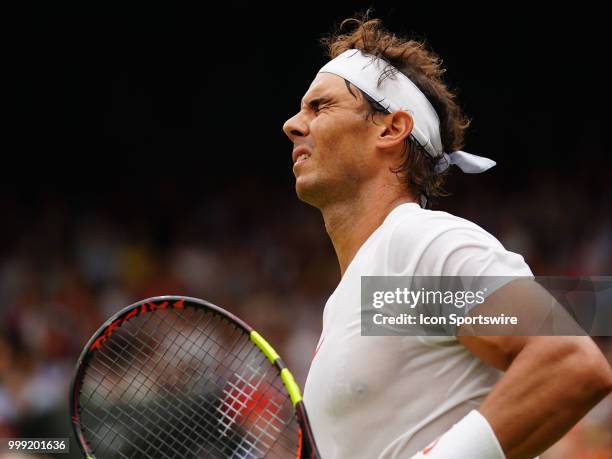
(317, 104)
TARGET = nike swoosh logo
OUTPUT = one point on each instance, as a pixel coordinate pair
(430, 447)
(317, 349)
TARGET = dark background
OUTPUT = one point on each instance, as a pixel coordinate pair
(143, 154)
(148, 105)
(107, 93)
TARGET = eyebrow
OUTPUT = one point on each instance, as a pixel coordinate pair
(316, 101)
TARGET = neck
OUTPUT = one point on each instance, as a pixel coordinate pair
(350, 223)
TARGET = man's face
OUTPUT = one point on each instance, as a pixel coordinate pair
(333, 142)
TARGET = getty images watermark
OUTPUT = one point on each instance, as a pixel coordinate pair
(486, 306)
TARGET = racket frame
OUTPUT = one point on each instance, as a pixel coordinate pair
(307, 447)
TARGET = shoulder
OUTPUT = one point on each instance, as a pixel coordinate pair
(435, 243)
(431, 230)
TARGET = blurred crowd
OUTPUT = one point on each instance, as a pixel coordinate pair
(68, 263)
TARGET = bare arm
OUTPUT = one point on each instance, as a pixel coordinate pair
(550, 382)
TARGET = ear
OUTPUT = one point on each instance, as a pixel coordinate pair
(397, 127)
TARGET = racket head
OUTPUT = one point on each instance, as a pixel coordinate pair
(176, 376)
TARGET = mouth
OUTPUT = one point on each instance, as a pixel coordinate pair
(300, 154)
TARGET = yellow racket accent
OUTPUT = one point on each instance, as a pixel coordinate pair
(291, 385)
(262, 344)
(285, 374)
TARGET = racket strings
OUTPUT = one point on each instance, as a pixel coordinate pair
(120, 355)
(162, 405)
(185, 384)
(165, 389)
(158, 402)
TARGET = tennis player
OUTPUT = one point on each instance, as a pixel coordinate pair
(375, 132)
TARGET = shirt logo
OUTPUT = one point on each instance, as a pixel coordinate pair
(430, 447)
(317, 349)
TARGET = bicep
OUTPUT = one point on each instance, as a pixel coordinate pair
(497, 351)
(523, 298)
(536, 312)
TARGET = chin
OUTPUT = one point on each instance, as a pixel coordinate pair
(307, 191)
(301, 189)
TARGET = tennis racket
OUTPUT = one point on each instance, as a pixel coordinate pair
(178, 377)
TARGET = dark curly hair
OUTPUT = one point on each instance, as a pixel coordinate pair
(423, 67)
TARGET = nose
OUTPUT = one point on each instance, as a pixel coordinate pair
(295, 127)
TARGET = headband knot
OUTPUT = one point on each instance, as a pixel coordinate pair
(399, 93)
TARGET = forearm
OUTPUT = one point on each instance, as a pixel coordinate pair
(550, 385)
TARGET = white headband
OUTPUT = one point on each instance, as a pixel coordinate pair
(399, 93)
